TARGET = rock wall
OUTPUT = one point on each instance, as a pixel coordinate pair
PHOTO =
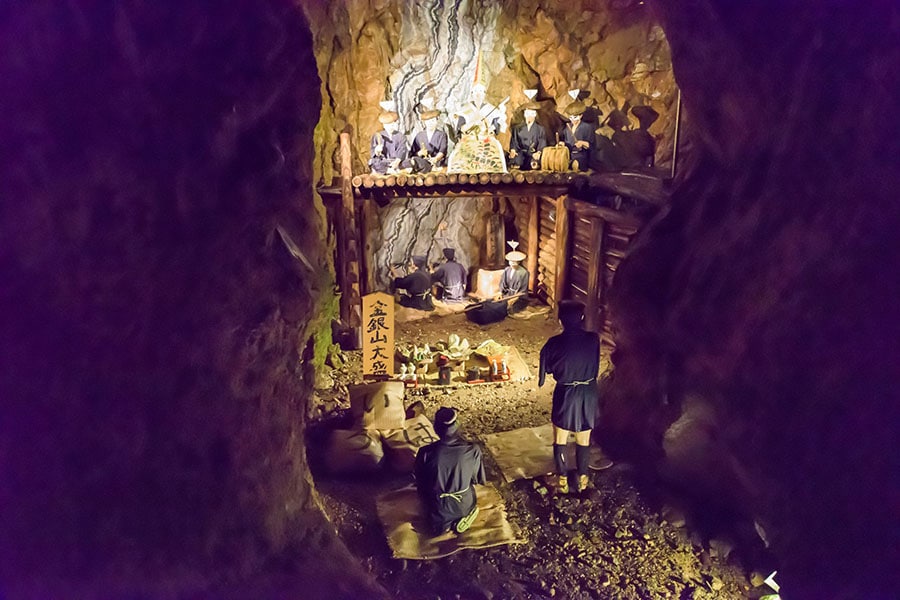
(373, 50)
(425, 226)
(756, 320)
(161, 256)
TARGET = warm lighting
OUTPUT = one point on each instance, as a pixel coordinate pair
(574, 93)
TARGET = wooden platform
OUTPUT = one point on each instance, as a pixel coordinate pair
(574, 227)
(645, 186)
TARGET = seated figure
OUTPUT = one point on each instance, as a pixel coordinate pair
(577, 136)
(446, 472)
(636, 148)
(417, 284)
(478, 150)
(429, 147)
(640, 141)
(388, 145)
(451, 276)
(527, 141)
(513, 282)
(477, 109)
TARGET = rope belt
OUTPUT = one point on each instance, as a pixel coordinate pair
(458, 496)
(422, 295)
(577, 383)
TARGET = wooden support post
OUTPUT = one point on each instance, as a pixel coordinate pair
(348, 271)
(593, 311)
(503, 205)
(490, 235)
(534, 230)
(562, 248)
(367, 281)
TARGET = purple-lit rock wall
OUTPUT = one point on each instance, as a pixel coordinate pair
(760, 311)
(154, 329)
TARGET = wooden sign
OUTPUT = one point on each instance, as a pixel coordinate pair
(378, 335)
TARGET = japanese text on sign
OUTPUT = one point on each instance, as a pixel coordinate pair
(378, 334)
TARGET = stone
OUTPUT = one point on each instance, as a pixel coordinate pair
(324, 380)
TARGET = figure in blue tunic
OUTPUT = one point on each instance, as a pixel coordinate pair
(451, 276)
(446, 472)
(573, 358)
(388, 149)
(429, 146)
(577, 136)
(528, 141)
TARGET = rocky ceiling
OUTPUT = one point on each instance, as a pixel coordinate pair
(374, 50)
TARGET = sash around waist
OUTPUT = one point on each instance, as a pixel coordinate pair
(576, 383)
(458, 496)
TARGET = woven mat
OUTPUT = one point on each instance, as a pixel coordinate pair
(400, 513)
(405, 314)
(531, 311)
(528, 452)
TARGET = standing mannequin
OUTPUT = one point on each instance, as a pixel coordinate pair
(573, 358)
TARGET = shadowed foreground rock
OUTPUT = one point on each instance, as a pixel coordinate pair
(765, 301)
(154, 337)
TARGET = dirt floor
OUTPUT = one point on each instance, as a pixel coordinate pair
(612, 542)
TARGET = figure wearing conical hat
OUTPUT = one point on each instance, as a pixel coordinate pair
(388, 148)
(429, 146)
(577, 136)
(515, 278)
(528, 140)
(477, 112)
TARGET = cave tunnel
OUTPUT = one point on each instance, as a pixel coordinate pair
(173, 284)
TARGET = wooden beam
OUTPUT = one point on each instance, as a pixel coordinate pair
(490, 235)
(367, 281)
(348, 272)
(562, 248)
(469, 190)
(533, 236)
(592, 211)
(593, 317)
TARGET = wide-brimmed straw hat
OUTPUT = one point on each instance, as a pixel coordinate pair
(388, 117)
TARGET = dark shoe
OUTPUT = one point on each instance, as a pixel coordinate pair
(466, 522)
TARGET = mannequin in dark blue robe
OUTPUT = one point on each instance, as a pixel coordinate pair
(451, 276)
(388, 147)
(527, 141)
(573, 358)
(446, 472)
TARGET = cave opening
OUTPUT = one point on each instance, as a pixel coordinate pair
(172, 223)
